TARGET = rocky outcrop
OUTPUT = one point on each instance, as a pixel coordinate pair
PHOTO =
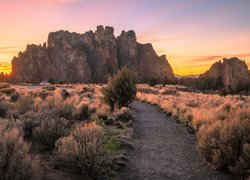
(89, 57)
(233, 72)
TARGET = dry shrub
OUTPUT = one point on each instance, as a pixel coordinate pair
(14, 97)
(30, 121)
(82, 149)
(243, 113)
(50, 131)
(25, 103)
(225, 144)
(65, 111)
(49, 87)
(201, 117)
(148, 90)
(8, 91)
(124, 114)
(3, 109)
(149, 98)
(82, 111)
(4, 85)
(15, 161)
(59, 107)
(168, 92)
(103, 111)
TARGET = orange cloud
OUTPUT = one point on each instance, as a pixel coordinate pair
(5, 67)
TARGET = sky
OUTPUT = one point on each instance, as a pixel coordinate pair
(192, 33)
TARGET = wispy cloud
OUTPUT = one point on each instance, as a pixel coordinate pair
(10, 47)
(5, 67)
(215, 57)
(162, 39)
(53, 1)
(9, 52)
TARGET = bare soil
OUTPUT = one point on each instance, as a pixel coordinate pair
(163, 149)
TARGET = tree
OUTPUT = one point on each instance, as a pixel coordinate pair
(121, 89)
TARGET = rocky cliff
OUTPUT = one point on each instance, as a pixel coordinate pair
(89, 57)
(233, 72)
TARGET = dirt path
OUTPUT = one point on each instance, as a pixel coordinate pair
(163, 149)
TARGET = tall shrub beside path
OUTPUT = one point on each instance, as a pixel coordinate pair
(121, 89)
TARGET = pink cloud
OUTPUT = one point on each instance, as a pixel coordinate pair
(53, 1)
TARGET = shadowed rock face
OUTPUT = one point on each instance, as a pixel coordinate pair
(89, 57)
(233, 72)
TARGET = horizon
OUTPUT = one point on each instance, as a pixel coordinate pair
(212, 30)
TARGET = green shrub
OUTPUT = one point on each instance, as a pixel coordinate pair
(121, 89)
(15, 160)
(83, 149)
(226, 144)
(50, 131)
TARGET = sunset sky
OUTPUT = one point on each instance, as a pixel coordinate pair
(192, 33)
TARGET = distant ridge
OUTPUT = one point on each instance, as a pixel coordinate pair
(187, 76)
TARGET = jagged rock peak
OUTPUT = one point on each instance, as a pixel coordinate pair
(89, 57)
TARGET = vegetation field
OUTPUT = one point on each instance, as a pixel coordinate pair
(72, 131)
(61, 132)
(221, 123)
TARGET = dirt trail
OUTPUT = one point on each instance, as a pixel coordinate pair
(163, 149)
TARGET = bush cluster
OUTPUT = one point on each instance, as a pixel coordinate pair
(226, 144)
(15, 161)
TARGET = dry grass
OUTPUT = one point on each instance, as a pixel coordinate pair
(221, 123)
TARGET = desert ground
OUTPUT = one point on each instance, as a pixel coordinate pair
(68, 132)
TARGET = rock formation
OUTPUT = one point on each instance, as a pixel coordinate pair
(233, 72)
(89, 57)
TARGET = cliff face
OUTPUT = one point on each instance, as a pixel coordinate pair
(89, 57)
(233, 72)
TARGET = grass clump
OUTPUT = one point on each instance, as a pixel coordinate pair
(112, 146)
